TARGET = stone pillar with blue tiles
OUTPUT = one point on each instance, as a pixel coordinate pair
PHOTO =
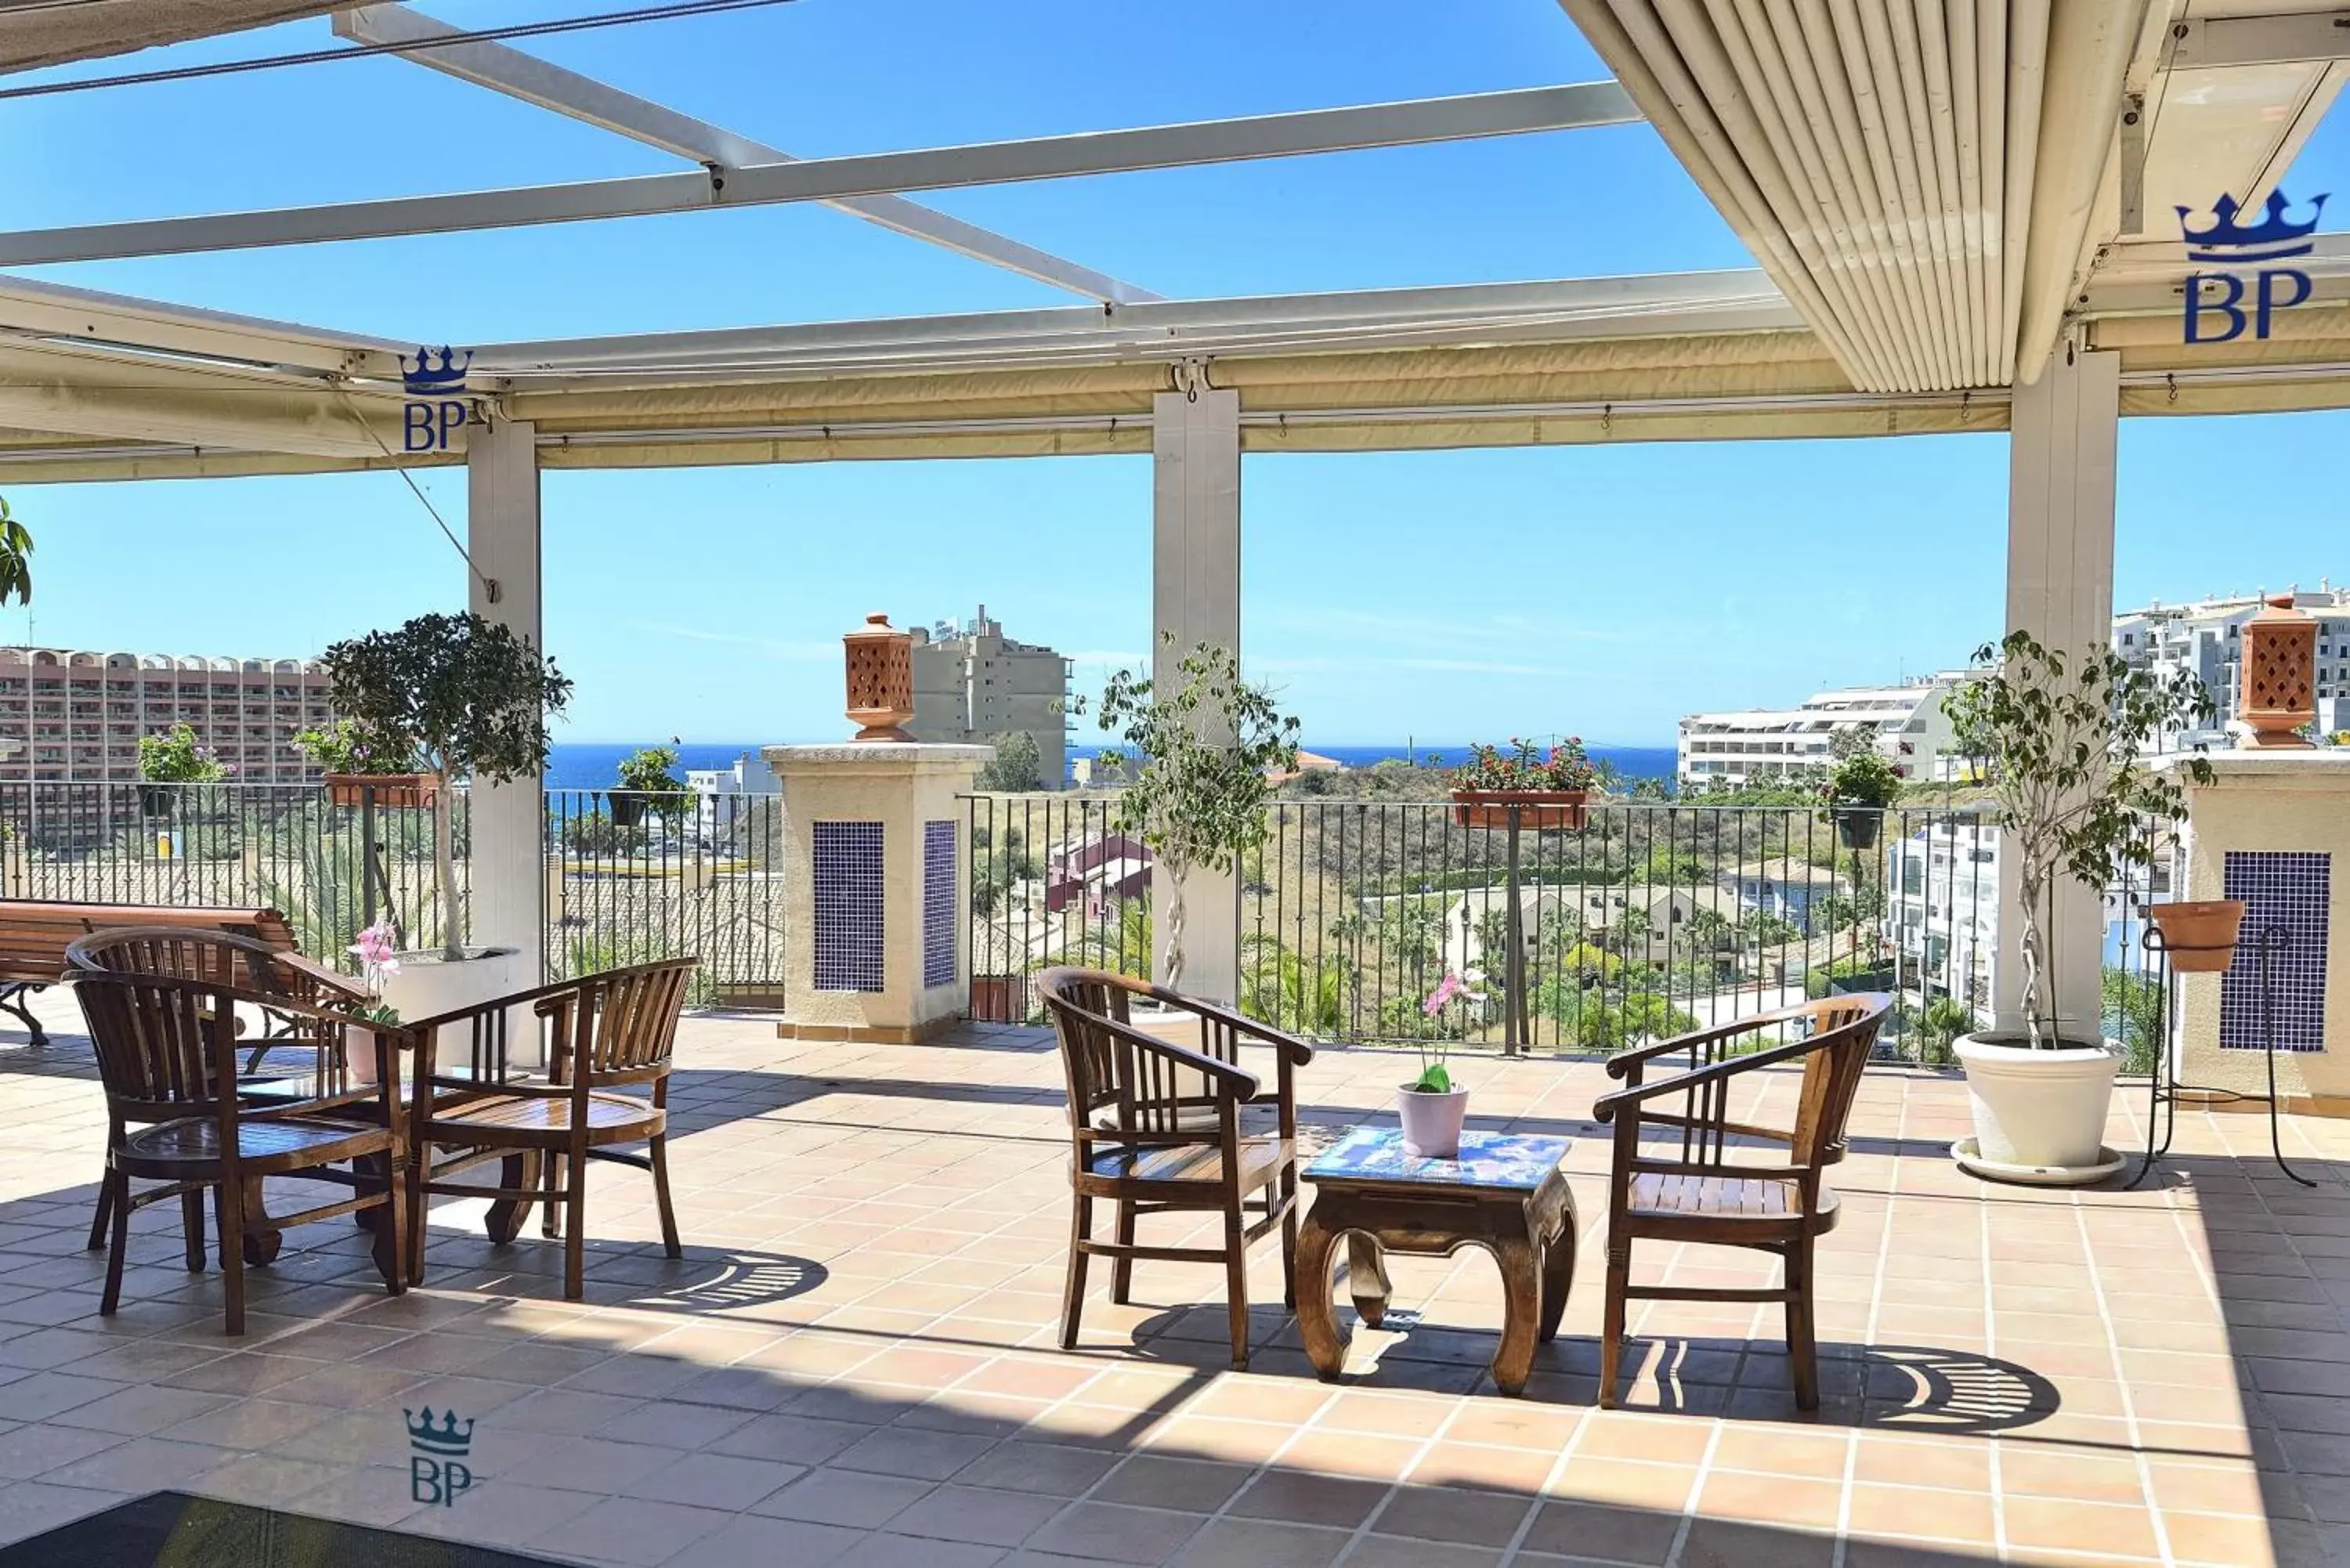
(2272, 828)
(876, 856)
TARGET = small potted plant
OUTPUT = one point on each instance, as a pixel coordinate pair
(377, 950)
(360, 767)
(1432, 1108)
(1859, 789)
(1549, 790)
(467, 698)
(173, 757)
(648, 783)
(2064, 737)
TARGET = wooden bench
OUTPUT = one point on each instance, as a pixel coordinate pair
(34, 933)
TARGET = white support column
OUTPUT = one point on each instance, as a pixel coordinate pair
(509, 887)
(2060, 589)
(1195, 597)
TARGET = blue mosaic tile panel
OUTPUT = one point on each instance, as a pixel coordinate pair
(938, 885)
(2294, 889)
(847, 860)
(1511, 1161)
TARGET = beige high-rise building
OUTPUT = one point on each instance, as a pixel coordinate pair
(76, 715)
(972, 683)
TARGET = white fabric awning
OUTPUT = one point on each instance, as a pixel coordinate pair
(43, 33)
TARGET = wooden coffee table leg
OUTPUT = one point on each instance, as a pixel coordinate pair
(1555, 1212)
(1317, 1322)
(1521, 1264)
(1367, 1277)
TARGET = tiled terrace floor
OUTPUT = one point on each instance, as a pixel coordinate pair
(857, 1361)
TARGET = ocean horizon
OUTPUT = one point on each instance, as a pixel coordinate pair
(595, 765)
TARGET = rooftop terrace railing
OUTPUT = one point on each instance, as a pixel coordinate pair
(625, 884)
(1654, 918)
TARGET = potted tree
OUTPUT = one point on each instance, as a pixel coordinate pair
(1859, 788)
(468, 699)
(1548, 790)
(170, 758)
(362, 767)
(2063, 736)
(649, 782)
(1197, 801)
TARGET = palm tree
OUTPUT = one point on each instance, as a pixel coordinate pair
(16, 563)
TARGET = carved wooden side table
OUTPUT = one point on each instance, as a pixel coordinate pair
(1504, 1193)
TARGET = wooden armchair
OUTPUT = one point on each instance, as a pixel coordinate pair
(1711, 1190)
(168, 1060)
(1155, 1127)
(252, 965)
(605, 1033)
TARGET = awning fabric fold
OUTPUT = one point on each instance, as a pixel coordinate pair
(1919, 176)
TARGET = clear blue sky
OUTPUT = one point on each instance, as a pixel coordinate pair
(1449, 595)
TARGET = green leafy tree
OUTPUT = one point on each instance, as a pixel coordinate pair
(2064, 736)
(1198, 801)
(2132, 1004)
(1017, 766)
(467, 698)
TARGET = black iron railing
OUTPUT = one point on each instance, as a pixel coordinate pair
(1653, 919)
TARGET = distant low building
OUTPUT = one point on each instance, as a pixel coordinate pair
(719, 791)
(972, 683)
(1095, 872)
(2206, 639)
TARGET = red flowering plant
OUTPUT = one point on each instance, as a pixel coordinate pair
(1526, 766)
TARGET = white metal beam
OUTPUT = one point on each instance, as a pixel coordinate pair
(1350, 129)
(550, 87)
(2201, 42)
(1657, 305)
(57, 313)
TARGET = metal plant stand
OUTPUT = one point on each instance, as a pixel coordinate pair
(2162, 1102)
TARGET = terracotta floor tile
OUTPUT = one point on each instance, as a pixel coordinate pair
(1616, 1436)
(1253, 1543)
(1454, 1514)
(851, 1498)
(1936, 1513)
(1625, 1484)
(1196, 1486)
(2034, 1521)
(1111, 1533)
(1769, 1500)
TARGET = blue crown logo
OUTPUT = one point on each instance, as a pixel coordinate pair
(2272, 239)
(447, 1438)
(426, 380)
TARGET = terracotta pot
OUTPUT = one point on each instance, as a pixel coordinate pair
(393, 792)
(1431, 1123)
(2199, 935)
(1542, 810)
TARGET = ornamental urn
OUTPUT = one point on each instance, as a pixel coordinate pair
(2276, 684)
(881, 679)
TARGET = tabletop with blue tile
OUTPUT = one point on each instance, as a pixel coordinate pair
(1494, 1161)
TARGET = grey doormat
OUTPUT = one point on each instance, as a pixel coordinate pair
(173, 1530)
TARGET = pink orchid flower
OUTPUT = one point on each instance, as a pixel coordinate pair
(1450, 986)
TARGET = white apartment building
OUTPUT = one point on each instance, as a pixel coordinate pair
(1769, 744)
(2207, 638)
(972, 683)
(69, 715)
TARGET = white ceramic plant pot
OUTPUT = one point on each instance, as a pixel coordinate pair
(358, 1057)
(429, 984)
(1431, 1123)
(2039, 1116)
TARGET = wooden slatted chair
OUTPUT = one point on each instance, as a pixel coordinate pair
(1155, 1128)
(208, 953)
(602, 1033)
(174, 1117)
(1713, 1190)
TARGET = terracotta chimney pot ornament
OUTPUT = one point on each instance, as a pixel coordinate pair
(881, 679)
(2276, 683)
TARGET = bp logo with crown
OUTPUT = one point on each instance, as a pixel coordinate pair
(2235, 259)
(437, 1472)
(435, 408)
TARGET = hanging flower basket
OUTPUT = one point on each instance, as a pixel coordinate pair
(1539, 810)
(1856, 826)
(393, 792)
(2199, 935)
